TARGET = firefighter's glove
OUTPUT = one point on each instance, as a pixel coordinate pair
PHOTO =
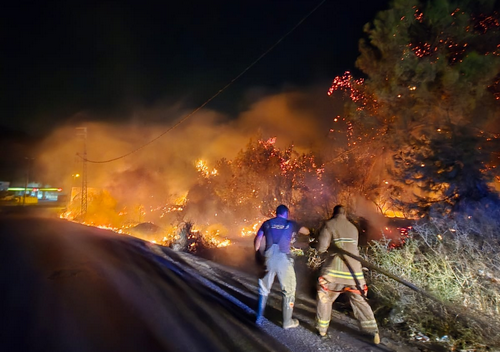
(323, 256)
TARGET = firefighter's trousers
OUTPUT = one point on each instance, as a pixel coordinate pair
(278, 263)
(361, 309)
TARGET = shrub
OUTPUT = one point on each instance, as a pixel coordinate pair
(458, 262)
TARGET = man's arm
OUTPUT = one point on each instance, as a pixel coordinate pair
(304, 231)
(325, 237)
(258, 239)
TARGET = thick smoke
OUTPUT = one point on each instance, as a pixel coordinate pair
(164, 171)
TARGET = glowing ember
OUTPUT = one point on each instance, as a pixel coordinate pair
(347, 83)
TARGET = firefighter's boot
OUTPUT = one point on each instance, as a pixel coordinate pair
(288, 322)
(260, 310)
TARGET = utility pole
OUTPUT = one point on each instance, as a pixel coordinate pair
(29, 160)
(82, 132)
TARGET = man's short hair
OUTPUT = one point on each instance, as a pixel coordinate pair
(281, 210)
(339, 209)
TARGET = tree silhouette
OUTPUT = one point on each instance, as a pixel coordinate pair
(432, 96)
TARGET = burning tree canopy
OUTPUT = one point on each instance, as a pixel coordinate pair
(431, 96)
(261, 177)
(233, 196)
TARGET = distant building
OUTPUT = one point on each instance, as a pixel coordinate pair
(4, 185)
(37, 193)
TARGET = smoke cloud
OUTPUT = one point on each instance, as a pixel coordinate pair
(165, 170)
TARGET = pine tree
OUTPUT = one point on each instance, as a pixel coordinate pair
(432, 87)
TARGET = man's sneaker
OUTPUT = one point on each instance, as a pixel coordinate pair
(292, 323)
(376, 338)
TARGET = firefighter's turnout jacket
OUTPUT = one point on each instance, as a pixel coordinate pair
(336, 278)
(341, 232)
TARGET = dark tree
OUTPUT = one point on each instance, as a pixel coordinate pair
(432, 94)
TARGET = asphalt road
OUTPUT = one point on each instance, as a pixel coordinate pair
(68, 287)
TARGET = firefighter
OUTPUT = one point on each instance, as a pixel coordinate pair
(278, 233)
(342, 274)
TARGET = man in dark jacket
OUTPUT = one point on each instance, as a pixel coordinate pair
(278, 233)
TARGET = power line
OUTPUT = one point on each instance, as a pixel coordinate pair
(211, 98)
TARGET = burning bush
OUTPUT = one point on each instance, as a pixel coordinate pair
(101, 211)
(189, 239)
(449, 259)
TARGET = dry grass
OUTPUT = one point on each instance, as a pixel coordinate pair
(456, 261)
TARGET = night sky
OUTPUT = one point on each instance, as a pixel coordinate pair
(59, 58)
(69, 62)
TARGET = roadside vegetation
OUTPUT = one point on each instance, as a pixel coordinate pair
(455, 260)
